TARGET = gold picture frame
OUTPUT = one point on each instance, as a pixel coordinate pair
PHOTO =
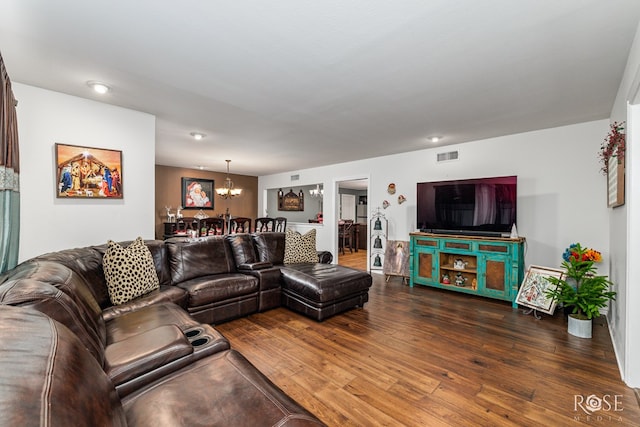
(88, 173)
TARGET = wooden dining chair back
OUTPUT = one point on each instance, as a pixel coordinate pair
(265, 224)
(185, 224)
(240, 225)
(345, 235)
(280, 224)
(212, 226)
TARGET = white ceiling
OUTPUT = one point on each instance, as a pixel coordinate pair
(291, 84)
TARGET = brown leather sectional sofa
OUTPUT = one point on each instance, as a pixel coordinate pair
(69, 357)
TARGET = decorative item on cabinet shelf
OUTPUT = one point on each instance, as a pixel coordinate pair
(460, 279)
(459, 264)
(445, 279)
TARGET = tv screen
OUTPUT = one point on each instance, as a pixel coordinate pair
(484, 206)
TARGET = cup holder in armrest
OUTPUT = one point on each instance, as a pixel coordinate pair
(200, 341)
(192, 333)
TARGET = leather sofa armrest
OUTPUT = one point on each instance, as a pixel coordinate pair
(325, 257)
(142, 353)
(261, 265)
(166, 293)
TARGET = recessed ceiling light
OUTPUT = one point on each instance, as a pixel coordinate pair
(201, 167)
(434, 139)
(197, 135)
(99, 87)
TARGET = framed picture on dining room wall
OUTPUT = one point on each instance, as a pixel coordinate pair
(87, 172)
(197, 193)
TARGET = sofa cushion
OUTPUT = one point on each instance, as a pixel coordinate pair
(130, 271)
(140, 354)
(205, 256)
(70, 283)
(86, 262)
(49, 378)
(147, 318)
(242, 248)
(299, 248)
(224, 389)
(218, 287)
(270, 247)
(53, 302)
(166, 293)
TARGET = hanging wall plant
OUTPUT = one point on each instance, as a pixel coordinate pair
(613, 146)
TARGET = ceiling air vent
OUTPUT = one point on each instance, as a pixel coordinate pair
(295, 177)
(451, 155)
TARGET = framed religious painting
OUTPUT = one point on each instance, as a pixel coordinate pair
(88, 173)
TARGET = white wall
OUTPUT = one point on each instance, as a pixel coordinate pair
(49, 224)
(624, 317)
(561, 193)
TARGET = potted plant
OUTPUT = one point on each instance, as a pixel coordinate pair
(581, 288)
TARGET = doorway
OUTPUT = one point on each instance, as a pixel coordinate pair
(353, 195)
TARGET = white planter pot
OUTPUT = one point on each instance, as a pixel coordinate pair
(579, 328)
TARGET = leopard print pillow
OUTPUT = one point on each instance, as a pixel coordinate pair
(300, 248)
(129, 271)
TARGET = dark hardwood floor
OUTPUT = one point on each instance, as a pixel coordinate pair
(425, 357)
(358, 260)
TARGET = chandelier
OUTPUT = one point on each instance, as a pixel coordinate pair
(228, 190)
(316, 192)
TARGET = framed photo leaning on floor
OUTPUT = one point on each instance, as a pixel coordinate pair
(533, 290)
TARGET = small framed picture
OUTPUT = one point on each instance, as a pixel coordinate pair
(533, 290)
(197, 193)
(88, 173)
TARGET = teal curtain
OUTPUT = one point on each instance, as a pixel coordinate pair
(9, 175)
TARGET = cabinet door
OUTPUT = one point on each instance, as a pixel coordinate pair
(425, 261)
(496, 275)
(425, 267)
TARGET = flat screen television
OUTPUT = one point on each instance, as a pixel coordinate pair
(482, 206)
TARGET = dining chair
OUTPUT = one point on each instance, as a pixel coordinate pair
(212, 226)
(265, 224)
(280, 224)
(240, 225)
(345, 235)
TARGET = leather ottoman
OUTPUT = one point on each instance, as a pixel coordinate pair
(323, 290)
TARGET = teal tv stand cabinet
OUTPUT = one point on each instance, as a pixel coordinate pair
(491, 267)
